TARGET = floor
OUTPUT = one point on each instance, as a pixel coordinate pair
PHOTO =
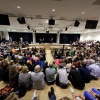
(43, 94)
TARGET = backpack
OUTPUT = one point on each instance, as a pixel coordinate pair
(4, 92)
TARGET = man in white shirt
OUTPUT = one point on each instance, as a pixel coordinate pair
(62, 78)
(94, 70)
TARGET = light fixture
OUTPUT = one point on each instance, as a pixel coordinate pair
(28, 27)
(66, 28)
(25, 30)
(8, 29)
(77, 23)
(18, 7)
(47, 31)
(83, 12)
(13, 30)
(46, 21)
(53, 10)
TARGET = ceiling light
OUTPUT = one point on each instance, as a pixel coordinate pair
(66, 28)
(13, 30)
(25, 30)
(18, 7)
(46, 21)
(8, 29)
(28, 27)
(53, 10)
(83, 12)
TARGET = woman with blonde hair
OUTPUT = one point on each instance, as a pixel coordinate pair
(25, 78)
(38, 78)
(13, 76)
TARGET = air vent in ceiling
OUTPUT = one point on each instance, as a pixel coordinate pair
(50, 27)
(97, 2)
(40, 24)
(56, 24)
(57, 0)
(38, 16)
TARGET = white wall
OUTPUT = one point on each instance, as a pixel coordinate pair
(90, 36)
(6, 35)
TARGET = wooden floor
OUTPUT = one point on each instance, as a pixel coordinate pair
(43, 94)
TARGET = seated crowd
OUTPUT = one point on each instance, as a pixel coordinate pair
(27, 69)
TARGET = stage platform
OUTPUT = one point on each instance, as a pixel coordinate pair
(48, 46)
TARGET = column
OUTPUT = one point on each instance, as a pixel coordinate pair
(34, 38)
(58, 38)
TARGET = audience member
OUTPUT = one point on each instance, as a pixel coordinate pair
(85, 73)
(94, 70)
(13, 76)
(25, 78)
(61, 79)
(38, 78)
(76, 78)
(50, 74)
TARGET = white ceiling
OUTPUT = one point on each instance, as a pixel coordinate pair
(66, 12)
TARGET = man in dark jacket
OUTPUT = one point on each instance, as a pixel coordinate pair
(76, 79)
(85, 73)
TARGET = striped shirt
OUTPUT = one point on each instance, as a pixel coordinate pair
(94, 70)
(63, 76)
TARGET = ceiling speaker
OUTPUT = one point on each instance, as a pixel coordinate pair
(76, 24)
(51, 22)
(28, 27)
(91, 24)
(4, 19)
(21, 20)
(66, 29)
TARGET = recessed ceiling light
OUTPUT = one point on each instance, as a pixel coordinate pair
(25, 30)
(18, 7)
(8, 29)
(83, 12)
(46, 21)
(53, 10)
(13, 30)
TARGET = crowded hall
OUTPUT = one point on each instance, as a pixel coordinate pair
(49, 50)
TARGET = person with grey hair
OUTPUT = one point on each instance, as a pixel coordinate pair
(50, 74)
(38, 78)
(94, 70)
(62, 78)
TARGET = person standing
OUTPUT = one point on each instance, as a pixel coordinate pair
(40, 41)
(51, 40)
(10, 39)
(43, 40)
(21, 40)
